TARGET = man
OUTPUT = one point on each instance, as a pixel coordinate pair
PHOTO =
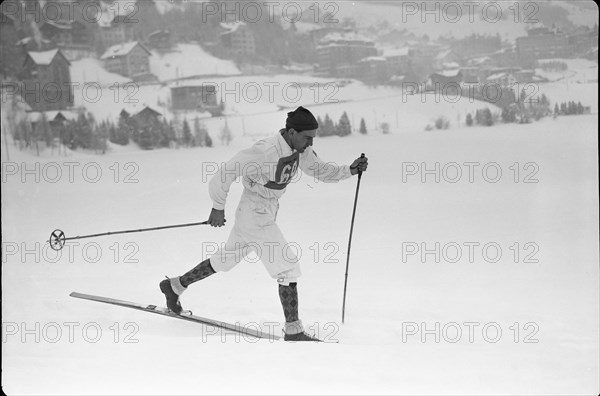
(266, 169)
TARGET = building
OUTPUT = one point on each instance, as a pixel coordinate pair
(398, 60)
(503, 79)
(422, 59)
(144, 122)
(542, 42)
(160, 39)
(130, 59)
(143, 114)
(55, 118)
(583, 40)
(471, 74)
(374, 70)
(505, 57)
(115, 31)
(47, 81)
(337, 50)
(194, 97)
(444, 58)
(441, 79)
(237, 38)
(318, 34)
(11, 56)
(68, 34)
(28, 44)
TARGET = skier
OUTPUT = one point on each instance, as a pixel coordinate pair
(266, 169)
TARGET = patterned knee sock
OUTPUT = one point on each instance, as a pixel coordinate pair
(201, 271)
(289, 301)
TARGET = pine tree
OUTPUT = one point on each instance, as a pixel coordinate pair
(322, 127)
(97, 140)
(522, 96)
(84, 132)
(478, 117)
(328, 127)
(579, 108)
(469, 119)
(187, 133)
(145, 19)
(226, 135)
(487, 117)
(200, 132)
(209, 142)
(43, 130)
(343, 127)
(145, 138)
(556, 110)
(385, 128)
(121, 132)
(363, 126)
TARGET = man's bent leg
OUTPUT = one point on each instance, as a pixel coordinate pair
(199, 272)
(288, 295)
(225, 259)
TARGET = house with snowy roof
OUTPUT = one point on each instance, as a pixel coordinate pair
(143, 113)
(445, 57)
(128, 59)
(144, 121)
(55, 118)
(160, 39)
(441, 79)
(47, 80)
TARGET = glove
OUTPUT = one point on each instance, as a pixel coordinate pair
(359, 164)
(217, 218)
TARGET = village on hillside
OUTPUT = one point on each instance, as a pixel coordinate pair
(49, 54)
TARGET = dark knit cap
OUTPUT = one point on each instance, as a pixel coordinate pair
(301, 120)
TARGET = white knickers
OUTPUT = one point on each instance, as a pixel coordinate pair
(255, 231)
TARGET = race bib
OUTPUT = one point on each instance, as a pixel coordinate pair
(284, 172)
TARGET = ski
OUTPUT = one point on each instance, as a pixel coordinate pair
(166, 312)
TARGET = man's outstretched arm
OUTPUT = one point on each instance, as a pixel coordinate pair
(329, 172)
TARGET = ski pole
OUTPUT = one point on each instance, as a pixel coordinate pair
(350, 241)
(58, 239)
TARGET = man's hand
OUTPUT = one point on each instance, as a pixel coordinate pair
(217, 218)
(359, 164)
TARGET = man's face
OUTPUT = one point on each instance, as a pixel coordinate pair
(302, 140)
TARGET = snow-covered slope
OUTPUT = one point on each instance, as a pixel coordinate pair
(188, 60)
(554, 300)
(91, 71)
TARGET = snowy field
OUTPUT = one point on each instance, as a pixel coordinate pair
(547, 284)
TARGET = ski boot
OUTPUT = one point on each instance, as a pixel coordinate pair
(172, 289)
(294, 331)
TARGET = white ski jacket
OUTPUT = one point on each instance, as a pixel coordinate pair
(268, 167)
